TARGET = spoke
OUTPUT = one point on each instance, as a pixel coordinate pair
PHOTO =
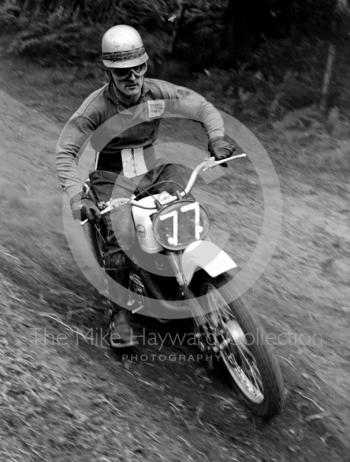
(257, 375)
(252, 373)
(249, 367)
(245, 373)
(232, 358)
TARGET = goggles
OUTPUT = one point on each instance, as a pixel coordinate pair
(124, 74)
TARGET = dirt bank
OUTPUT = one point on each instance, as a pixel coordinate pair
(64, 399)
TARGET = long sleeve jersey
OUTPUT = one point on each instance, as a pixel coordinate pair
(98, 116)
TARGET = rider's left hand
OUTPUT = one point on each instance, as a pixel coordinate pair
(220, 148)
(89, 210)
(84, 208)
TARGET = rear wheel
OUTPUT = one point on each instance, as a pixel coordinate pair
(234, 336)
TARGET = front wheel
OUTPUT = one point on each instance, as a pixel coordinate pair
(230, 331)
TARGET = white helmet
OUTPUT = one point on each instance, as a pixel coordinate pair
(122, 47)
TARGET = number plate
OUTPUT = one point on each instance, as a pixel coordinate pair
(179, 224)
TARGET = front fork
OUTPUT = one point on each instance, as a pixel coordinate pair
(211, 336)
(176, 264)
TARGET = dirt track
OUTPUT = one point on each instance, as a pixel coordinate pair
(65, 400)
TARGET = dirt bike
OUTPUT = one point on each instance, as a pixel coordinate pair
(183, 264)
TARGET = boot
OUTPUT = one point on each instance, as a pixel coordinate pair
(117, 266)
(121, 334)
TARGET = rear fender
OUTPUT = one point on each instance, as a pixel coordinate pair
(207, 256)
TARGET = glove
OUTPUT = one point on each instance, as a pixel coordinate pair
(84, 208)
(220, 149)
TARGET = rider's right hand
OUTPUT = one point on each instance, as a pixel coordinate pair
(84, 208)
(220, 149)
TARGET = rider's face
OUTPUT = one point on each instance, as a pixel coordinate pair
(129, 81)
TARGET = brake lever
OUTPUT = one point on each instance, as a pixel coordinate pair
(211, 162)
(223, 162)
(110, 207)
(102, 212)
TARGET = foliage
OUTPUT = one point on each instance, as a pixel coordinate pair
(226, 32)
(9, 15)
(258, 42)
(62, 42)
(201, 34)
(71, 31)
(148, 15)
(208, 33)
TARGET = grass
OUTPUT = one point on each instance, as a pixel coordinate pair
(41, 390)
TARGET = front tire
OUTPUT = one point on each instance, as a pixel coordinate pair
(247, 359)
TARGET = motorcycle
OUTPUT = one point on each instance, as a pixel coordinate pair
(174, 261)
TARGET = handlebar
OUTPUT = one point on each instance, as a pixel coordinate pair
(210, 162)
(203, 166)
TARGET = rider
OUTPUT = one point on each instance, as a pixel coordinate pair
(127, 163)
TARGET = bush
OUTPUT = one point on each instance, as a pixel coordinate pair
(9, 16)
(65, 42)
(72, 36)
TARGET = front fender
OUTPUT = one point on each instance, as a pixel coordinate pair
(208, 256)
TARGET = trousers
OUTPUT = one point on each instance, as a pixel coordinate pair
(119, 229)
